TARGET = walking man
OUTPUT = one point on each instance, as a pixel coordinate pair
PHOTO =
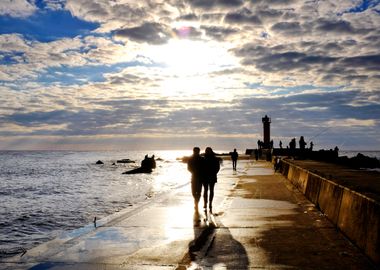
(234, 157)
(195, 165)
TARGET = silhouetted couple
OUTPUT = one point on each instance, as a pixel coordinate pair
(204, 172)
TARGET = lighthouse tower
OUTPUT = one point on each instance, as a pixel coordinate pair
(266, 125)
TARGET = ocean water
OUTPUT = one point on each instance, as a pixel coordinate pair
(43, 194)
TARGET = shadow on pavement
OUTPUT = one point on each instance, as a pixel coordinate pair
(214, 247)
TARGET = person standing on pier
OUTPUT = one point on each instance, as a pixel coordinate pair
(234, 157)
(195, 165)
(212, 167)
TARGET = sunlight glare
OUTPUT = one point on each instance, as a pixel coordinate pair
(178, 217)
(188, 57)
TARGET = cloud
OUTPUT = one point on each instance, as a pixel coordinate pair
(368, 62)
(152, 33)
(187, 32)
(243, 16)
(308, 64)
(207, 4)
(17, 8)
(288, 28)
(278, 3)
(94, 11)
(352, 122)
(188, 17)
(338, 27)
(114, 15)
(220, 33)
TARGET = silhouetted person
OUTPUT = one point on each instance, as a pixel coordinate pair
(195, 165)
(311, 146)
(277, 164)
(292, 144)
(336, 151)
(256, 154)
(234, 157)
(211, 169)
(280, 144)
(302, 143)
(271, 144)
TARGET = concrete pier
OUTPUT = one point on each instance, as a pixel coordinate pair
(262, 222)
(349, 198)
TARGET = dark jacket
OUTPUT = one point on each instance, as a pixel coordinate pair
(195, 165)
(212, 167)
(234, 155)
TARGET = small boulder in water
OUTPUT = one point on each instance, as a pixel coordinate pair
(147, 166)
(99, 162)
(125, 160)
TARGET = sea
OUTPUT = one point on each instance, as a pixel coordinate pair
(46, 193)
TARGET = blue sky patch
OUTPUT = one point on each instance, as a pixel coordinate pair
(364, 5)
(7, 58)
(47, 26)
(66, 75)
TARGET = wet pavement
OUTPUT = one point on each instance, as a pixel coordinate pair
(260, 222)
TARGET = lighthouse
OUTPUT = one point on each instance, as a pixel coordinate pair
(266, 126)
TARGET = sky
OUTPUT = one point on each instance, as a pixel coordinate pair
(173, 74)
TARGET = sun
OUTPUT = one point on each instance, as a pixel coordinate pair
(188, 57)
(187, 68)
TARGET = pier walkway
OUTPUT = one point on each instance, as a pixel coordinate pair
(262, 221)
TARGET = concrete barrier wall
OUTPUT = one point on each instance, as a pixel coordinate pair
(356, 215)
(329, 200)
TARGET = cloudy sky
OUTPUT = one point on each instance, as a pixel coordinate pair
(171, 74)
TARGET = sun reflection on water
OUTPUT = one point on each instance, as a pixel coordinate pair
(170, 172)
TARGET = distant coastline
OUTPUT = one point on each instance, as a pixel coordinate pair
(352, 153)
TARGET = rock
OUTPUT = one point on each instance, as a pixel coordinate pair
(139, 170)
(125, 160)
(362, 161)
(147, 166)
(99, 162)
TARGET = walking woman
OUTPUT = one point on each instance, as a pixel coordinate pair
(211, 169)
